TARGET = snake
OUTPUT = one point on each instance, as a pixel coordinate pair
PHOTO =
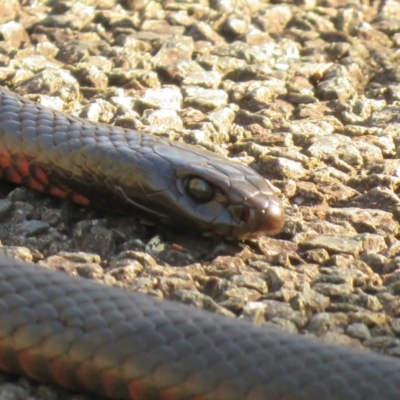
(87, 337)
(174, 183)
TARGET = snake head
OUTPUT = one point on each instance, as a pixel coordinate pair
(215, 195)
(238, 205)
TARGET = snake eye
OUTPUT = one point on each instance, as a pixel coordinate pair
(199, 190)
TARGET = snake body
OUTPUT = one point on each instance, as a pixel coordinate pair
(124, 170)
(82, 336)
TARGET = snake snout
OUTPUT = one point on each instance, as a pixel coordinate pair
(271, 218)
(256, 221)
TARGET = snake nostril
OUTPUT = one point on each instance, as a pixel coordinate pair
(240, 213)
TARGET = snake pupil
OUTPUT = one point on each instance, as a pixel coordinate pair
(199, 190)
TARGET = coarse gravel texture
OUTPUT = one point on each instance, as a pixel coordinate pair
(305, 92)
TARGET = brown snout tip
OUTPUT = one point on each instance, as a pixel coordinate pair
(273, 218)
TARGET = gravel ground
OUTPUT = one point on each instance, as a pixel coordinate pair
(306, 92)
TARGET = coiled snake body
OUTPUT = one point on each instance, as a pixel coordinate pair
(83, 336)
